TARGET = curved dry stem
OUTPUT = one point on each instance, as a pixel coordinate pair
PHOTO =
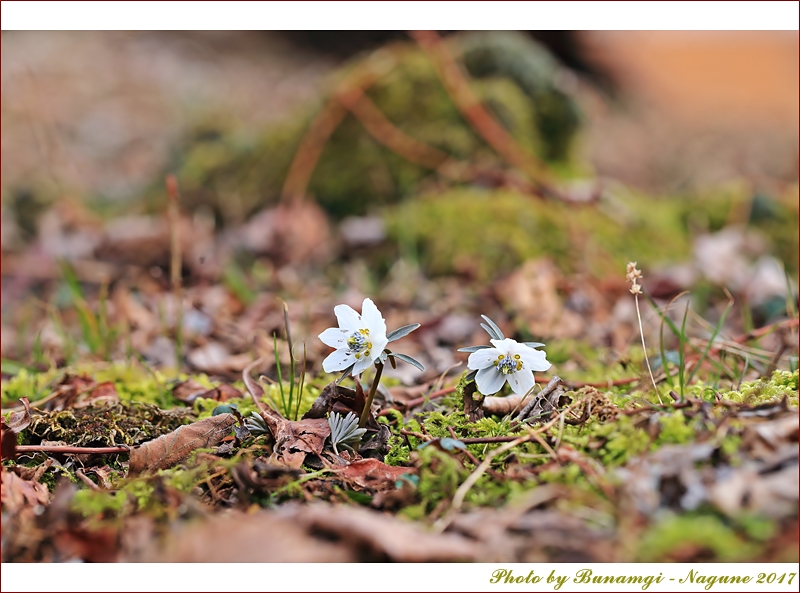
(253, 388)
(472, 479)
(644, 349)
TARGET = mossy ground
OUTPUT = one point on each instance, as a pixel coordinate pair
(461, 236)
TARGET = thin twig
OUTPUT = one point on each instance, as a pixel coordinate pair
(762, 331)
(551, 386)
(474, 460)
(480, 440)
(325, 123)
(472, 479)
(385, 132)
(644, 349)
(457, 87)
(412, 403)
(253, 388)
(71, 450)
(87, 480)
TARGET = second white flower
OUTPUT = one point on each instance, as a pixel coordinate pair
(507, 361)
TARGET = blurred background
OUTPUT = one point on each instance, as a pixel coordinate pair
(351, 163)
(101, 113)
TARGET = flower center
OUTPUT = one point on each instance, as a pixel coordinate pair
(358, 343)
(507, 365)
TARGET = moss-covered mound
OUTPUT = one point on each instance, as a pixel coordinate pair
(238, 171)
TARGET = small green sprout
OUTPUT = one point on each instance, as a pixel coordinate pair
(344, 431)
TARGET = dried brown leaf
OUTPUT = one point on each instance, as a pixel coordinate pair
(532, 293)
(335, 398)
(373, 474)
(98, 544)
(172, 448)
(19, 421)
(9, 441)
(246, 539)
(105, 391)
(104, 474)
(188, 391)
(379, 536)
(17, 493)
(294, 440)
(66, 392)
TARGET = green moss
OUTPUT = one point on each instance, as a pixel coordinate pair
(756, 527)
(438, 424)
(440, 475)
(675, 429)
(704, 536)
(781, 384)
(491, 232)
(399, 453)
(99, 504)
(28, 384)
(141, 490)
(236, 171)
(103, 424)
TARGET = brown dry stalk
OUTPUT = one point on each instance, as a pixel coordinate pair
(412, 403)
(762, 331)
(253, 388)
(457, 87)
(462, 491)
(87, 480)
(385, 132)
(552, 385)
(71, 450)
(310, 149)
(325, 123)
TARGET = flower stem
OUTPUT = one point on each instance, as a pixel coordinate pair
(372, 391)
(644, 348)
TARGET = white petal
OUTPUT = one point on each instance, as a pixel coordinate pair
(378, 344)
(521, 382)
(338, 360)
(535, 360)
(505, 346)
(362, 365)
(490, 380)
(372, 319)
(483, 358)
(334, 337)
(347, 317)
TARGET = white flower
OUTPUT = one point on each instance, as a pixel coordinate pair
(359, 339)
(507, 361)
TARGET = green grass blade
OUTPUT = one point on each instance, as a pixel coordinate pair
(302, 384)
(86, 318)
(278, 370)
(714, 334)
(673, 328)
(682, 352)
